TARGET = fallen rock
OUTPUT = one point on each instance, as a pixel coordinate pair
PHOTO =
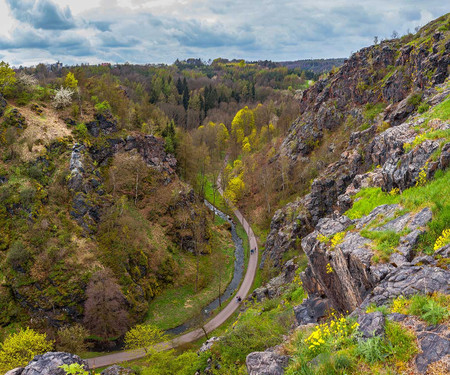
(371, 324)
(311, 310)
(207, 345)
(266, 363)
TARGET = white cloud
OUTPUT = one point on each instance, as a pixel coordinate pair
(144, 31)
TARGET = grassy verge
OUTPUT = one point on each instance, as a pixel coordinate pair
(180, 303)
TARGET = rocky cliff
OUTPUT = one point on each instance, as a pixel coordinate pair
(378, 87)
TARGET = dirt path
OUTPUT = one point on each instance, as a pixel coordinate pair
(214, 323)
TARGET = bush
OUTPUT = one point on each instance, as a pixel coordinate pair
(371, 349)
(20, 348)
(144, 336)
(18, 256)
(428, 309)
(72, 339)
(62, 98)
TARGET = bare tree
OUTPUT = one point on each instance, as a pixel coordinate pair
(105, 313)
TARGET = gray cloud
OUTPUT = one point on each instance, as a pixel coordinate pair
(42, 14)
(160, 32)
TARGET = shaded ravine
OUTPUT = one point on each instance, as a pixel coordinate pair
(230, 289)
(215, 322)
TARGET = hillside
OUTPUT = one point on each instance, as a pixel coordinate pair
(345, 181)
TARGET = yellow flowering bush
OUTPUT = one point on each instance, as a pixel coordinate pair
(329, 268)
(442, 240)
(400, 305)
(422, 179)
(394, 191)
(322, 239)
(337, 330)
(337, 239)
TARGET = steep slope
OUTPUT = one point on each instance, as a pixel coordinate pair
(377, 87)
(84, 200)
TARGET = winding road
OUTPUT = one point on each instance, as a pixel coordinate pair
(211, 325)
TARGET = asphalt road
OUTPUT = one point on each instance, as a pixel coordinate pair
(211, 325)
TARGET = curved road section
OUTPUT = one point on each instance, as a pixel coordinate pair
(210, 326)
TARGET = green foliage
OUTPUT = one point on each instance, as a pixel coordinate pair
(72, 339)
(423, 107)
(70, 81)
(371, 111)
(415, 99)
(442, 110)
(144, 336)
(367, 199)
(435, 194)
(18, 256)
(372, 349)
(167, 363)
(385, 241)
(432, 309)
(82, 130)
(7, 76)
(103, 107)
(400, 343)
(74, 369)
(20, 348)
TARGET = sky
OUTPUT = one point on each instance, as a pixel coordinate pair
(160, 31)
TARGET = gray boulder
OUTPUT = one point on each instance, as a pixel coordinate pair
(434, 347)
(48, 364)
(371, 324)
(311, 310)
(266, 363)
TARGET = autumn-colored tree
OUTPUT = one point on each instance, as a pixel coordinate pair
(20, 348)
(7, 76)
(105, 312)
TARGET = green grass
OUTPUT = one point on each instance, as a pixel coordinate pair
(213, 196)
(367, 199)
(345, 352)
(385, 242)
(435, 194)
(442, 110)
(176, 305)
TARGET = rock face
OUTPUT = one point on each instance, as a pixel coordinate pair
(266, 363)
(387, 73)
(104, 123)
(434, 343)
(48, 364)
(346, 273)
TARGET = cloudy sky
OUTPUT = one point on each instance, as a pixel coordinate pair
(153, 31)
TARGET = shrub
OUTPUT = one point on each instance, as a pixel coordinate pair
(18, 256)
(103, 107)
(371, 349)
(62, 98)
(442, 240)
(423, 107)
(144, 336)
(72, 339)
(20, 348)
(428, 309)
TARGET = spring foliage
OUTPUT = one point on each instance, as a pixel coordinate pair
(20, 348)
(143, 336)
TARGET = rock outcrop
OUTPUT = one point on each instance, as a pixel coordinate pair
(48, 364)
(266, 363)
